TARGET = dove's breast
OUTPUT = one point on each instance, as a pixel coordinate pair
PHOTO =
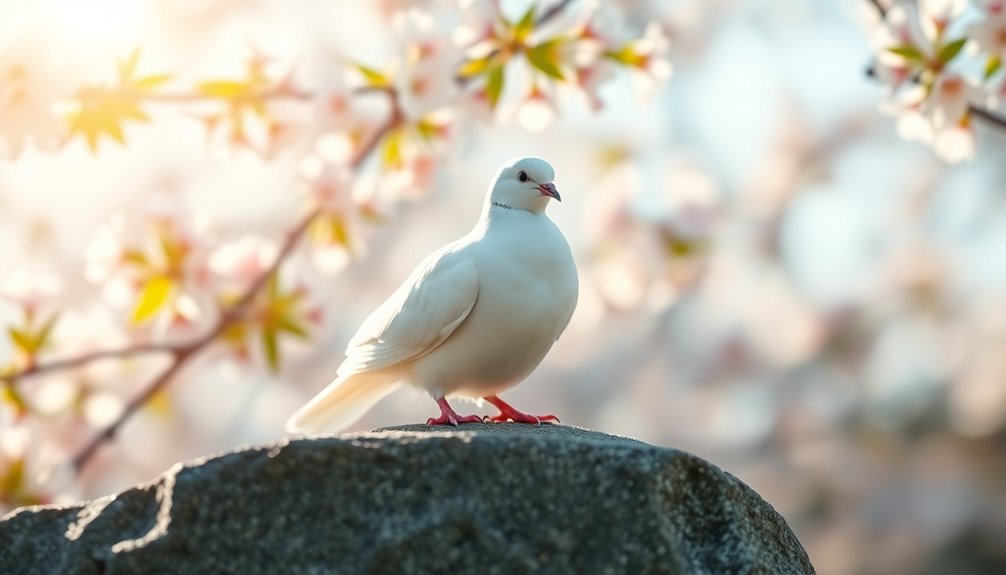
(527, 292)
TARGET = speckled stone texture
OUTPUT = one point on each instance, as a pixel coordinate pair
(493, 498)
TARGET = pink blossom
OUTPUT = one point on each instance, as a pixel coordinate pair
(990, 34)
(30, 87)
(30, 290)
(426, 80)
(243, 260)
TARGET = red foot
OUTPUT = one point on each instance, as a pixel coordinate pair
(449, 417)
(508, 413)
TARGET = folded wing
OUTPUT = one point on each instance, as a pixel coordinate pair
(419, 316)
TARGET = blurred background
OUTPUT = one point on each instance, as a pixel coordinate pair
(772, 278)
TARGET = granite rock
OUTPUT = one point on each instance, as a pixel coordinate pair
(487, 498)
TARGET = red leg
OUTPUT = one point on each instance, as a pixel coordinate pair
(508, 413)
(449, 417)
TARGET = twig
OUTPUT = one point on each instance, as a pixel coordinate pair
(86, 358)
(880, 8)
(182, 354)
(988, 116)
(553, 11)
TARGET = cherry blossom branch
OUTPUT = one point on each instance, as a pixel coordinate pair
(87, 358)
(989, 117)
(881, 9)
(183, 353)
(975, 110)
(174, 349)
(192, 97)
(553, 11)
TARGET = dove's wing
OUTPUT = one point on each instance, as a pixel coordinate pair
(419, 316)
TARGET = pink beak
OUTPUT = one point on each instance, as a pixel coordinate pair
(549, 190)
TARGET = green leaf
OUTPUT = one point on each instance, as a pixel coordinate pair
(545, 57)
(949, 51)
(23, 340)
(908, 52)
(494, 85)
(42, 335)
(474, 67)
(523, 28)
(992, 66)
(292, 326)
(270, 345)
(373, 77)
(627, 56)
(272, 286)
(10, 394)
(153, 296)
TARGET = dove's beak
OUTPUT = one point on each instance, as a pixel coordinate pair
(549, 190)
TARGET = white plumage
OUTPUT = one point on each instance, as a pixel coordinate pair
(474, 318)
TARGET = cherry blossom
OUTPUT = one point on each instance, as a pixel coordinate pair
(426, 80)
(990, 33)
(31, 86)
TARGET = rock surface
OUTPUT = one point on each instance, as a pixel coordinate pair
(504, 498)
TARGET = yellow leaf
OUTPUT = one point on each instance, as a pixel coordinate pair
(102, 111)
(626, 55)
(270, 345)
(373, 77)
(10, 394)
(136, 258)
(340, 231)
(127, 67)
(159, 404)
(151, 82)
(391, 149)
(235, 334)
(545, 57)
(523, 28)
(43, 333)
(474, 67)
(153, 296)
(225, 89)
(22, 340)
(293, 326)
(12, 480)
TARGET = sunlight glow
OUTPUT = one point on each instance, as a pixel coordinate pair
(95, 26)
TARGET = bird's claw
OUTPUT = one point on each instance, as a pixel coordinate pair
(519, 417)
(453, 419)
(449, 417)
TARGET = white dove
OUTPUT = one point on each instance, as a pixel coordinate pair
(475, 318)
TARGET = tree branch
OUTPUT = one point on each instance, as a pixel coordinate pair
(990, 117)
(183, 353)
(881, 9)
(87, 358)
(553, 11)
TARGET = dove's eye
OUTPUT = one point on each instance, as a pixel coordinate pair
(522, 176)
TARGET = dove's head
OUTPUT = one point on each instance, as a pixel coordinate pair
(524, 184)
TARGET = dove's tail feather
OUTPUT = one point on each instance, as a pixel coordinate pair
(339, 405)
